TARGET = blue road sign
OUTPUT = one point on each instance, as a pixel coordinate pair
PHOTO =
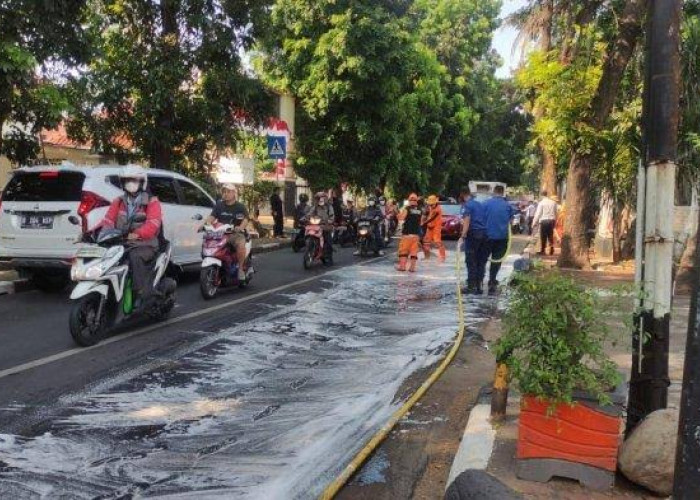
(277, 147)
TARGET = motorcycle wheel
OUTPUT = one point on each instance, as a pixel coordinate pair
(209, 282)
(248, 265)
(309, 255)
(85, 327)
(364, 248)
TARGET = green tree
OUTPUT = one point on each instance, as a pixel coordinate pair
(38, 38)
(169, 75)
(384, 90)
(348, 64)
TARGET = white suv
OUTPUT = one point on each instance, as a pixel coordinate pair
(45, 209)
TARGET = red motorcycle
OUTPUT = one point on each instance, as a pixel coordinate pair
(220, 263)
(313, 235)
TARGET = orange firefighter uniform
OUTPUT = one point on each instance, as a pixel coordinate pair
(410, 236)
(433, 232)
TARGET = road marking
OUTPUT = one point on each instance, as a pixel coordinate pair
(195, 314)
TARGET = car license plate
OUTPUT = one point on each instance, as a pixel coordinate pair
(36, 221)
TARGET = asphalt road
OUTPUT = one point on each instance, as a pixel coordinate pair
(34, 326)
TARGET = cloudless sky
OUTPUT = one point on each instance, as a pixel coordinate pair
(504, 38)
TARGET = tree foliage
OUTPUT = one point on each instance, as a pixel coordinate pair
(387, 94)
(37, 39)
(169, 75)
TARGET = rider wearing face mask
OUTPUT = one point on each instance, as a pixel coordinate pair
(142, 237)
(322, 209)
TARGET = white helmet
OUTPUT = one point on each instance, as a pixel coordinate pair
(134, 172)
(229, 186)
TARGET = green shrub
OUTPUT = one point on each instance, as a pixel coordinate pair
(555, 335)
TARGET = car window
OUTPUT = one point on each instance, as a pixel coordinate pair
(163, 188)
(44, 186)
(193, 195)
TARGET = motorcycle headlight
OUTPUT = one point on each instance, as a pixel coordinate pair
(363, 232)
(95, 269)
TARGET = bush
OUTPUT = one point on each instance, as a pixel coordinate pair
(555, 333)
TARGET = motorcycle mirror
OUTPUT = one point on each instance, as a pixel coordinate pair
(73, 219)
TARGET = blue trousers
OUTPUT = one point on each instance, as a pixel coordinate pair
(496, 250)
(476, 255)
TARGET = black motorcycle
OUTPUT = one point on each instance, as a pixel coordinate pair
(366, 236)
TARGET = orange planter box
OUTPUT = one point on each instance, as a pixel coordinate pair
(578, 433)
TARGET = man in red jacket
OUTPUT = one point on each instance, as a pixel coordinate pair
(142, 237)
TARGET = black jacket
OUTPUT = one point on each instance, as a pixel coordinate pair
(276, 203)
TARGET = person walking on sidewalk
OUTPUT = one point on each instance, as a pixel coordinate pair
(546, 217)
(498, 213)
(410, 238)
(277, 213)
(433, 225)
(473, 238)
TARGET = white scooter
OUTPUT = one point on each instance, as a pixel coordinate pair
(103, 294)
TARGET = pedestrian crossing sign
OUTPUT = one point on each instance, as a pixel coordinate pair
(277, 147)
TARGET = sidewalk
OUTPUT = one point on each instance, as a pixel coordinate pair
(491, 449)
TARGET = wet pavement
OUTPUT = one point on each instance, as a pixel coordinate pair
(270, 408)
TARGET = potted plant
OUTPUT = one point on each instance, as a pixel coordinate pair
(554, 342)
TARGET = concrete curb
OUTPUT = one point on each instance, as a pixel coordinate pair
(271, 247)
(468, 478)
(477, 443)
(7, 287)
(22, 285)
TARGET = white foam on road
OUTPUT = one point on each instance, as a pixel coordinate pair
(273, 409)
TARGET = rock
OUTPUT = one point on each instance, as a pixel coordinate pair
(648, 456)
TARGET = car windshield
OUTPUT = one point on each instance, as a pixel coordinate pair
(44, 186)
(451, 209)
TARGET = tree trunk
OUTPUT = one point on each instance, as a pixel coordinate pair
(584, 17)
(549, 172)
(162, 154)
(548, 179)
(574, 252)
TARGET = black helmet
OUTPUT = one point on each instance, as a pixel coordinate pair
(303, 198)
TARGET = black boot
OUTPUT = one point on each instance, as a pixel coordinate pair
(493, 287)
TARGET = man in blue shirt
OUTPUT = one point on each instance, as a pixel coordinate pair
(498, 214)
(473, 238)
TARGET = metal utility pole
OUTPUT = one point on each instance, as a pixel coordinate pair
(686, 481)
(649, 379)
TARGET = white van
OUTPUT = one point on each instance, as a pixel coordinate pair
(482, 190)
(38, 239)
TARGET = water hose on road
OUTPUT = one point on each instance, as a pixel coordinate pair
(333, 488)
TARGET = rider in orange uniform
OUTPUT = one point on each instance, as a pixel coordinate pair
(410, 236)
(433, 233)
